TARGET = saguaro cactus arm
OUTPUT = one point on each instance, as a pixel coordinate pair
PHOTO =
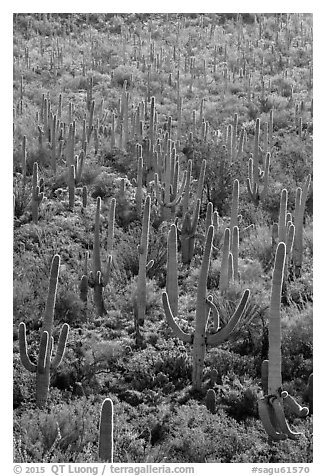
(177, 194)
(61, 346)
(188, 338)
(281, 420)
(25, 360)
(223, 334)
(294, 406)
(268, 421)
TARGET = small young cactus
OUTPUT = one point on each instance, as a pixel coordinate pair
(106, 432)
(211, 400)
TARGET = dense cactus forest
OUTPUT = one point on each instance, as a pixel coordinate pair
(162, 262)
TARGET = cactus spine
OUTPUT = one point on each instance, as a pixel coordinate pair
(106, 432)
(45, 364)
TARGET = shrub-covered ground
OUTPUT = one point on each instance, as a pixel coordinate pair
(201, 70)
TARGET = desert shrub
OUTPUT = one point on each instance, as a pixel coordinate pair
(129, 299)
(297, 344)
(226, 362)
(238, 397)
(294, 158)
(156, 417)
(256, 247)
(147, 368)
(69, 308)
(197, 436)
(52, 436)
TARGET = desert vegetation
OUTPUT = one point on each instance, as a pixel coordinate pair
(162, 262)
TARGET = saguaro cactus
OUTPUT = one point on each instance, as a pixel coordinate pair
(45, 364)
(300, 203)
(99, 278)
(105, 450)
(187, 234)
(254, 172)
(211, 400)
(172, 270)
(271, 405)
(201, 338)
(284, 230)
(143, 267)
(37, 196)
(171, 195)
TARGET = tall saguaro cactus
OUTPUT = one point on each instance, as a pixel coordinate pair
(172, 270)
(45, 362)
(254, 172)
(271, 405)
(204, 304)
(300, 203)
(37, 195)
(106, 432)
(187, 234)
(99, 277)
(140, 308)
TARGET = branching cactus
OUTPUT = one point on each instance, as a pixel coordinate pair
(284, 230)
(37, 196)
(170, 196)
(300, 203)
(271, 405)
(252, 185)
(45, 361)
(254, 172)
(204, 305)
(99, 277)
(105, 449)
